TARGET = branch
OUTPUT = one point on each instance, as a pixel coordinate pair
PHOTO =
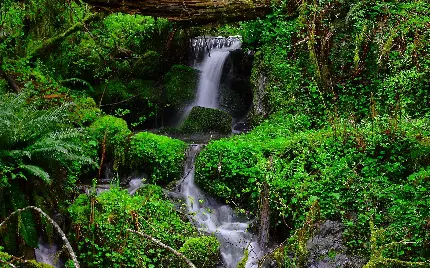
(158, 242)
(56, 40)
(10, 264)
(63, 236)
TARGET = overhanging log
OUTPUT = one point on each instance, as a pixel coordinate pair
(193, 11)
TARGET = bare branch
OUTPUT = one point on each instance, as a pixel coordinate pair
(63, 236)
(158, 242)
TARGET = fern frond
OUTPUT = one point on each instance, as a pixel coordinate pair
(37, 171)
(26, 224)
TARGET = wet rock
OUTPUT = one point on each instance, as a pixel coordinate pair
(326, 248)
(206, 120)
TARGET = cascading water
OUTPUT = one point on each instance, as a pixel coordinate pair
(211, 69)
(219, 220)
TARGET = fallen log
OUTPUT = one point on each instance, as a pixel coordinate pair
(190, 11)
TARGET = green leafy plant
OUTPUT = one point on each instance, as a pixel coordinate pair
(160, 156)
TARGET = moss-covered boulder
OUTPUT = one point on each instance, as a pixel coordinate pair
(180, 84)
(85, 111)
(202, 251)
(157, 155)
(203, 119)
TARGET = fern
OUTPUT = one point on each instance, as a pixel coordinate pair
(37, 172)
(35, 144)
(26, 225)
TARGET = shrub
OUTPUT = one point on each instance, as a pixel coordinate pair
(369, 169)
(160, 156)
(103, 240)
(202, 251)
(112, 134)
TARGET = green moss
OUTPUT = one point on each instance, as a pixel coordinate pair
(35, 264)
(202, 251)
(242, 263)
(112, 91)
(116, 132)
(85, 111)
(160, 156)
(206, 119)
(180, 84)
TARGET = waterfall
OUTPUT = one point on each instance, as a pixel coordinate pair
(219, 220)
(211, 70)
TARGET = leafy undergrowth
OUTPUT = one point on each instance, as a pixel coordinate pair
(102, 239)
(356, 172)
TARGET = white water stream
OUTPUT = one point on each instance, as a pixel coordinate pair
(219, 220)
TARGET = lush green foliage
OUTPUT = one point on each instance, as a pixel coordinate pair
(160, 156)
(353, 171)
(101, 223)
(347, 83)
(112, 135)
(37, 147)
(334, 58)
(203, 119)
(202, 251)
(180, 84)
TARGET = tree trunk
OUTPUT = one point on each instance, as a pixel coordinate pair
(191, 11)
(11, 82)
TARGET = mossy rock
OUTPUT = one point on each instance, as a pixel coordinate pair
(85, 111)
(203, 119)
(160, 156)
(180, 84)
(202, 251)
(35, 264)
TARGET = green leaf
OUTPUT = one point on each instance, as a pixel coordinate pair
(37, 171)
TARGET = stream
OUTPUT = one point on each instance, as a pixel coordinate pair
(219, 220)
(208, 215)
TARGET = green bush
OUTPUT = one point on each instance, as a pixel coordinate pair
(203, 119)
(103, 239)
(112, 134)
(180, 84)
(160, 156)
(362, 170)
(202, 251)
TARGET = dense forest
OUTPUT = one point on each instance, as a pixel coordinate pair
(319, 147)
